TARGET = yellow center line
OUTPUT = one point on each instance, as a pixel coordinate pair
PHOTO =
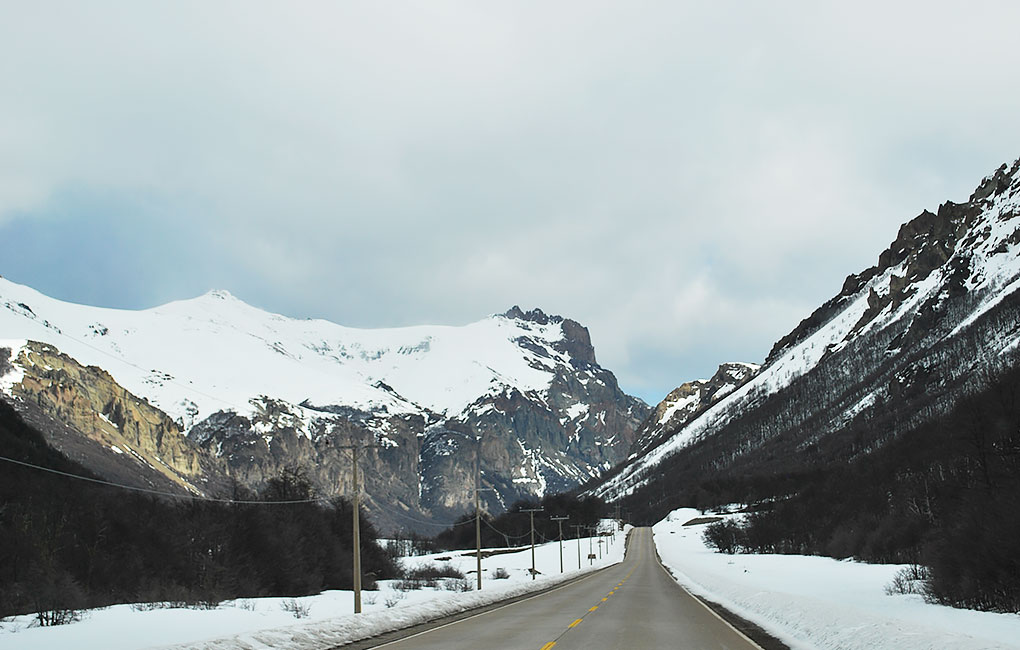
(577, 622)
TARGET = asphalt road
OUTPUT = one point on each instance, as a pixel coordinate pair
(634, 604)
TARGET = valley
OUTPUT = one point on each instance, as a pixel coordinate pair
(882, 429)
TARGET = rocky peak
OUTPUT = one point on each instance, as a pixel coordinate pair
(534, 316)
(690, 400)
(922, 245)
(576, 340)
(1005, 179)
(577, 343)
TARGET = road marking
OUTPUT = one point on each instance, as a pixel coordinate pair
(658, 560)
(577, 622)
(523, 599)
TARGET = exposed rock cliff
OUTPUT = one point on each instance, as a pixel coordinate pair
(130, 439)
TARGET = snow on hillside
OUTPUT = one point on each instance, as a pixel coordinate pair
(195, 357)
(990, 253)
(264, 623)
(820, 603)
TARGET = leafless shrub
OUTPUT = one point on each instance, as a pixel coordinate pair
(294, 607)
(909, 580)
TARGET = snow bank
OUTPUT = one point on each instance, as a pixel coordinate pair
(821, 603)
(257, 624)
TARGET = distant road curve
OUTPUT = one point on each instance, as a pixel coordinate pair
(634, 604)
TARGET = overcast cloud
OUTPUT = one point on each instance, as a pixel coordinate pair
(687, 179)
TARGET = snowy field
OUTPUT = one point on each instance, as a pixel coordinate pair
(807, 602)
(821, 603)
(262, 623)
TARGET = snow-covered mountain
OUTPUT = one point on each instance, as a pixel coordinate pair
(257, 390)
(899, 344)
(688, 401)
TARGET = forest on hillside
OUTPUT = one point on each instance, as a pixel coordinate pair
(513, 527)
(943, 497)
(68, 544)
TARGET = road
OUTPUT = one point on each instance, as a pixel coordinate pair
(634, 604)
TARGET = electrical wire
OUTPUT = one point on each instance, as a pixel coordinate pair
(196, 497)
(193, 497)
(505, 535)
(375, 505)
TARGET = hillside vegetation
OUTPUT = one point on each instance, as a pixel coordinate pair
(69, 544)
(943, 496)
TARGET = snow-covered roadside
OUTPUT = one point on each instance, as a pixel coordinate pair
(263, 622)
(821, 603)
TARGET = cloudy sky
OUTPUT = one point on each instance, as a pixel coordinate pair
(687, 179)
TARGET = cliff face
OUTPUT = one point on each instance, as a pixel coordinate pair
(134, 440)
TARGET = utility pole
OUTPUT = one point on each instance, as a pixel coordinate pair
(591, 552)
(559, 522)
(577, 532)
(355, 448)
(478, 535)
(478, 509)
(532, 511)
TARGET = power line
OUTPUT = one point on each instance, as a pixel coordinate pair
(505, 535)
(376, 506)
(193, 497)
(198, 497)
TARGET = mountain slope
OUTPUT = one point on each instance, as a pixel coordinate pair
(254, 392)
(688, 401)
(898, 346)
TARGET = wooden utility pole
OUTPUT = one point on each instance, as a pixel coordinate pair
(559, 522)
(591, 551)
(577, 531)
(532, 511)
(478, 510)
(355, 448)
(478, 535)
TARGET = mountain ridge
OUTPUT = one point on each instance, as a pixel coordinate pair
(939, 306)
(252, 390)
